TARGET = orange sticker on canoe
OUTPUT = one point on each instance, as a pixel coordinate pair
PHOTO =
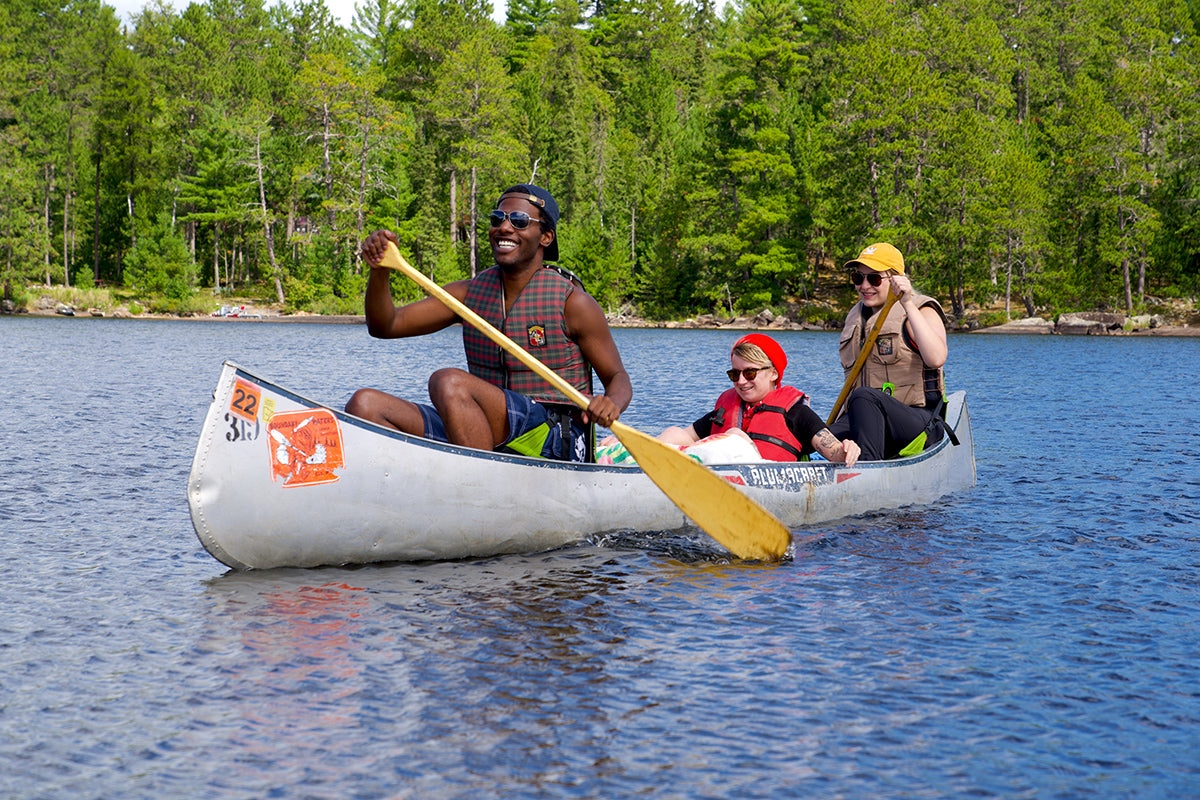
(306, 447)
(245, 400)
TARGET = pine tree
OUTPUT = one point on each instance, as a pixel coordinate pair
(472, 103)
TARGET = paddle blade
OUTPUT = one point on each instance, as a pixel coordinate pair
(741, 525)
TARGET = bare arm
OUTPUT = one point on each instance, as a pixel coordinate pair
(924, 324)
(588, 328)
(387, 321)
(679, 436)
(833, 449)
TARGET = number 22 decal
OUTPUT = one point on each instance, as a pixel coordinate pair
(243, 419)
(245, 401)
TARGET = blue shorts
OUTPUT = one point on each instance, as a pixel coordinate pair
(531, 431)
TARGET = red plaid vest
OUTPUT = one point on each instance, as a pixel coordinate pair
(536, 323)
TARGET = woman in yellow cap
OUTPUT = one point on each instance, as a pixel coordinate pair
(896, 407)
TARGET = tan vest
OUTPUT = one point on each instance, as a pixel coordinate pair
(891, 361)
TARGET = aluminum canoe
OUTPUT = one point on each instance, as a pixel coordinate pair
(281, 481)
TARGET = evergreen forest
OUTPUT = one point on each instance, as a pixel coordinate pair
(708, 157)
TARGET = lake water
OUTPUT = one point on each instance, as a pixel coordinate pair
(1037, 636)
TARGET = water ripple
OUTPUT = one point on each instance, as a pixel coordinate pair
(1034, 637)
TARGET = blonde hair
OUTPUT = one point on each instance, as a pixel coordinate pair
(752, 353)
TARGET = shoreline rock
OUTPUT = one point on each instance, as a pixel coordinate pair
(763, 321)
(1029, 325)
(1096, 323)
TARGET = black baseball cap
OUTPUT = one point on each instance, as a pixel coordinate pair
(543, 200)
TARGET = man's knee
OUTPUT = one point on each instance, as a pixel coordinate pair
(384, 409)
(449, 383)
(361, 403)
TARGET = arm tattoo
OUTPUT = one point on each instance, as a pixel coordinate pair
(826, 442)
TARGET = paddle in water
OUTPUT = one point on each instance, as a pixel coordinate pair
(744, 527)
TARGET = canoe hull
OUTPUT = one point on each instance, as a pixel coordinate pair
(278, 480)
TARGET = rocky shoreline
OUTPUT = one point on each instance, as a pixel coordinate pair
(1088, 323)
(1098, 323)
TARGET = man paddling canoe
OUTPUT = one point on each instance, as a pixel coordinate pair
(500, 403)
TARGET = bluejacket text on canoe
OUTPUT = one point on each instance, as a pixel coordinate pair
(789, 477)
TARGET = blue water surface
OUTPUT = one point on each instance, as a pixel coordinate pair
(1035, 636)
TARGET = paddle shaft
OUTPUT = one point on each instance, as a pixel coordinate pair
(862, 357)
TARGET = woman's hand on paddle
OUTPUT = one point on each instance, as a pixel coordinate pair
(602, 411)
(375, 245)
(901, 287)
(924, 324)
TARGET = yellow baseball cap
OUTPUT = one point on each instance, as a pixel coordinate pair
(880, 256)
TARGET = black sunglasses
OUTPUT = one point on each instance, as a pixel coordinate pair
(749, 373)
(519, 219)
(873, 278)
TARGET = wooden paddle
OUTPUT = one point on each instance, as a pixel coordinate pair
(744, 527)
(862, 357)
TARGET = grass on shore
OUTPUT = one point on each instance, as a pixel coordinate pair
(203, 302)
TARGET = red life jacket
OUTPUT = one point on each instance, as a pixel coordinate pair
(765, 422)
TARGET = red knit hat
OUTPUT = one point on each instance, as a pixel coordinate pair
(771, 348)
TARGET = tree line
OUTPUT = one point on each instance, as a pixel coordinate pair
(706, 158)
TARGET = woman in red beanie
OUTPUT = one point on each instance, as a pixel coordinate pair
(776, 418)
